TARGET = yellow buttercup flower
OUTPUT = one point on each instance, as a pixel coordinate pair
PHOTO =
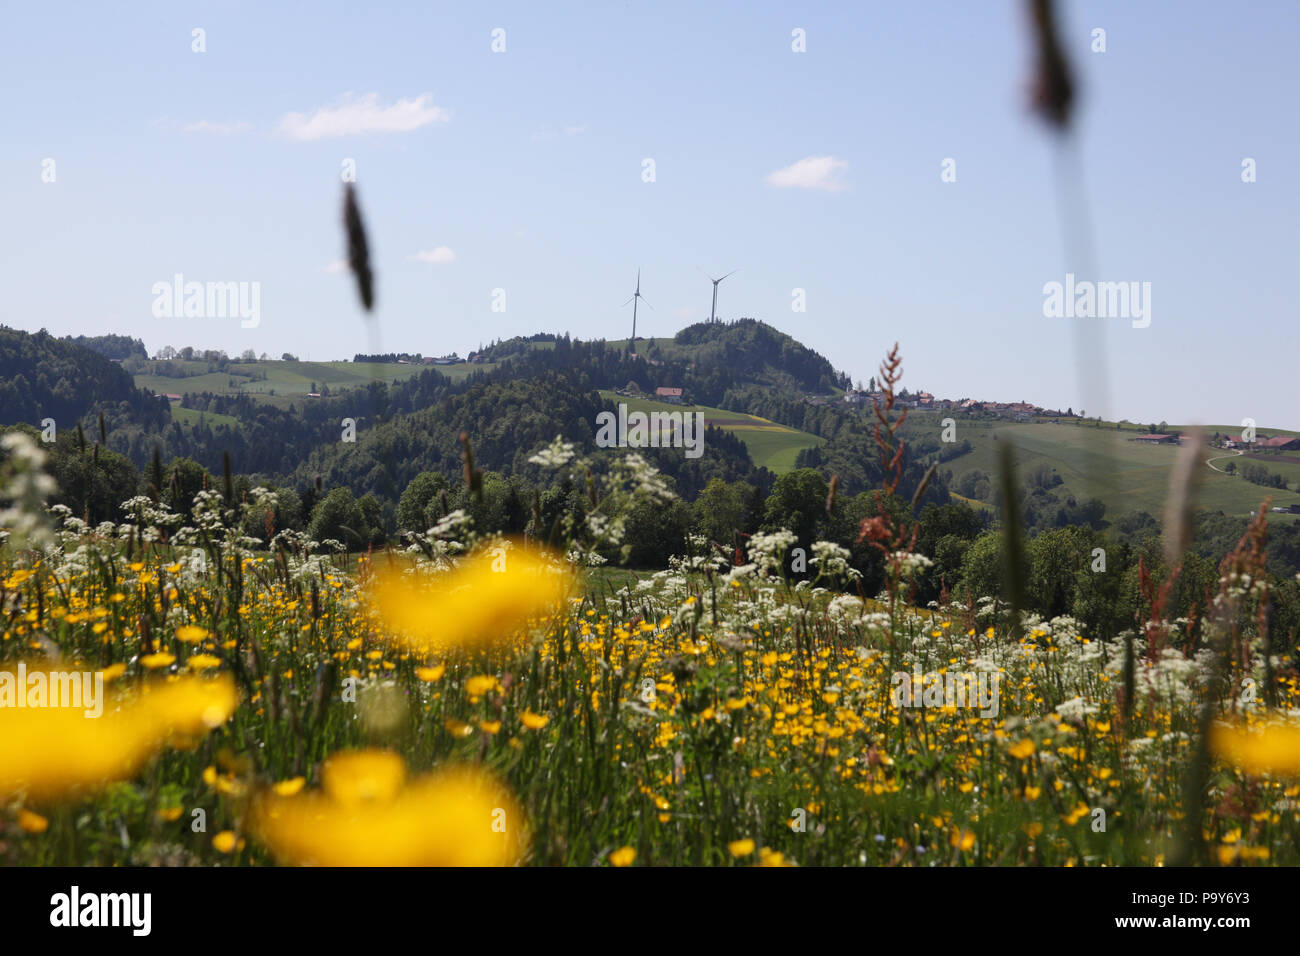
(113, 672)
(431, 674)
(49, 751)
(480, 685)
(1273, 748)
(357, 777)
(741, 847)
(483, 600)
(534, 721)
(962, 839)
(1023, 749)
(623, 856)
(369, 814)
(191, 633)
(287, 788)
(32, 822)
(769, 857)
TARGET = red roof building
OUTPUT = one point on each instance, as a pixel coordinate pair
(1279, 443)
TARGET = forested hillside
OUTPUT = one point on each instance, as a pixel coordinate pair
(42, 376)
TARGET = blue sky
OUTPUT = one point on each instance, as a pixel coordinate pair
(527, 166)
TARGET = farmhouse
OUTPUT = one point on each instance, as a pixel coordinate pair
(671, 395)
(1279, 443)
(172, 397)
(1157, 439)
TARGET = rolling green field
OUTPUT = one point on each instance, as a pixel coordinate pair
(288, 382)
(192, 417)
(771, 445)
(1109, 464)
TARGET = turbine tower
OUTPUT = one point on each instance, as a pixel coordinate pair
(713, 313)
(631, 343)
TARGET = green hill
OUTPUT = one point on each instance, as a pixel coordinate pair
(1107, 463)
(283, 383)
(770, 445)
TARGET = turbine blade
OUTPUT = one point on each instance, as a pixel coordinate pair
(729, 274)
(624, 305)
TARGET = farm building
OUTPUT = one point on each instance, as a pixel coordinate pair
(672, 395)
(1158, 439)
(1279, 443)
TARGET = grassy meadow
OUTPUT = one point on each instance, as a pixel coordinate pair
(1107, 463)
(770, 445)
(477, 700)
(285, 383)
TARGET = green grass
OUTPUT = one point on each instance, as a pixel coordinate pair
(191, 417)
(291, 381)
(770, 445)
(1109, 464)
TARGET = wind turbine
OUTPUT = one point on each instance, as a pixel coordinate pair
(713, 313)
(631, 343)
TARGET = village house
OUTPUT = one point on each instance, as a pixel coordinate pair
(1279, 443)
(1157, 439)
(671, 395)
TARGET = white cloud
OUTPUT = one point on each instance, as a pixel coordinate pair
(437, 257)
(338, 265)
(221, 129)
(811, 172)
(355, 115)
